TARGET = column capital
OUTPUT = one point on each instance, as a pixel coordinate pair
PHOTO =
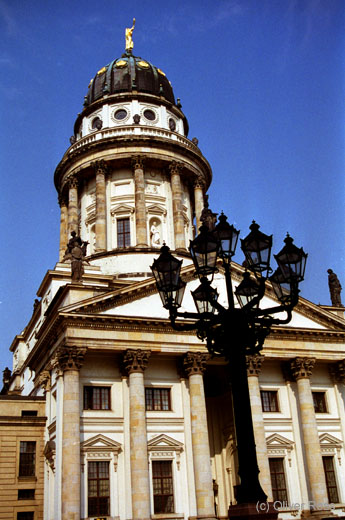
(43, 379)
(337, 371)
(175, 167)
(137, 162)
(70, 358)
(302, 367)
(254, 363)
(62, 200)
(135, 360)
(199, 182)
(73, 182)
(195, 362)
(100, 166)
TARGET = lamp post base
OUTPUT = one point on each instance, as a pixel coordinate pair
(258, 511)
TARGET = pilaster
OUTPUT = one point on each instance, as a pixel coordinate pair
(73, 221)
(63, 226)
(140, 204)
(199, 188)
(176, 190)
(101, 169)
(194, 364)
(253, 371)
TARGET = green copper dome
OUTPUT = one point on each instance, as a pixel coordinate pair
(129, 74)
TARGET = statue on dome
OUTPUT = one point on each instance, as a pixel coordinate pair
(76, 253)
(129, 40)
(334, 288)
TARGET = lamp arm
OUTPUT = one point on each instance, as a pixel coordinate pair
(257, 298)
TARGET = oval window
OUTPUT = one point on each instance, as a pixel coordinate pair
(149, 115)
(120, 114)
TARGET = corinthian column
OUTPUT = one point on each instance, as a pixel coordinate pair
(301, 369)
(73, 205)
(194, 365)
(253, 371)
(70, 361)
(63, 226)
(198, 201)
(140, 206)
(100, 224)
(176, 190)
(135, 363)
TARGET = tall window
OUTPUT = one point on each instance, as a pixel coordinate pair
(269, 401)
(163, 494)
(319, 399)
(278, 479)
(25, 515)
(96, 398)
(98, 488)
(331, 482)
(27, 458)
(123, 232)
(157, 399)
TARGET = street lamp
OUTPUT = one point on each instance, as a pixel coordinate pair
(236, 330)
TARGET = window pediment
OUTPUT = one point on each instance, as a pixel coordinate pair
(165, 447)
(279, 446)
(330, 445)
(100, 447)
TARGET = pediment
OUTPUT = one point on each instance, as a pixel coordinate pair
(162, 442)
(156, 209)
(327, 440)
(278, 441)
(122, 209)
(100, 442)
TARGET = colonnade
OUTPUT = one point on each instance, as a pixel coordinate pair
(69, 219)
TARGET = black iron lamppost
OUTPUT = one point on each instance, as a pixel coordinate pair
(238, 330)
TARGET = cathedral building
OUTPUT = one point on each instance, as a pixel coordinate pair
(129, 419)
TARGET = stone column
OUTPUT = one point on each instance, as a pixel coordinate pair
(135, 363)
(73, 221)
(301, 370)
(194, 365)
(63, 226)
(253, 371)
(100, 224)
(140, 206)
(198, 201)
(70, 361)
(176, 191)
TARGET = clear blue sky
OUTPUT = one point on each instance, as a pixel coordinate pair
(262, 85)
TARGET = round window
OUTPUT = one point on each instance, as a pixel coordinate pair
(120, 114)
(150, 115)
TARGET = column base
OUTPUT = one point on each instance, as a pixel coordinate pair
(260, 511)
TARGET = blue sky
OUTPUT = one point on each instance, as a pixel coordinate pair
(261, 83)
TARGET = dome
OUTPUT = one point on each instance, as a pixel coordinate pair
(129, 74)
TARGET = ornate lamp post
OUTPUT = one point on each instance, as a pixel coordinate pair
(237, 330)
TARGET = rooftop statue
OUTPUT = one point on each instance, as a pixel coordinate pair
(334, 288)
(129, 40)
(76, 253)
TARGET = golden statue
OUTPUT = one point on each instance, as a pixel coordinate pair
(129, 41)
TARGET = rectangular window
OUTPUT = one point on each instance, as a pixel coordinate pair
(25, 515)
(319, 399)
(29, 413)
(163, 494)
(278, 479)
(26, 494)
(98, 488)
(123, 232)
(27, 458)
(269, 401)
(96, 398)
(157, 399)
(331, 482)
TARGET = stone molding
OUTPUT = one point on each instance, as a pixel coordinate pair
(135, 360)
(137, 162)
(254, 363)
(44, 380)
(70, 358)
(302, 367)
(195, 363)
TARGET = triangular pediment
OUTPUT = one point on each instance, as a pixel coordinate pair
(278, 441)
(164, 441)
(122, 209)
(100, 442)
(328, 440)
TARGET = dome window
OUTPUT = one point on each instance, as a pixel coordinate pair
(120, 114)
(96, 123)
(150, 115)
(172, 124)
